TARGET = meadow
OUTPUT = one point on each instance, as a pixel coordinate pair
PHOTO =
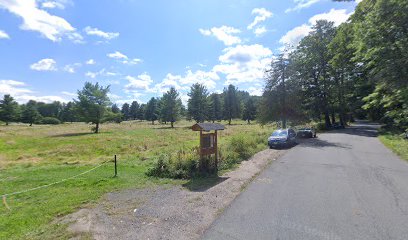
(43, 154)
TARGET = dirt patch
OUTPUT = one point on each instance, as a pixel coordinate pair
(166, 212)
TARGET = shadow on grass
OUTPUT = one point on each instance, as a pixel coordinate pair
(202, 184)
(72, 134)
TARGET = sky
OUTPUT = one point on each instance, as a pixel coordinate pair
(50, 48)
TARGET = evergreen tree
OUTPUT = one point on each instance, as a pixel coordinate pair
(198, 103)
(92, 103)
(249, 113)
(170, 106)
(133, 111)
(115, 108)
(215, 107)
(231, 103)
(141, 112)
(8, 109)
(30, 113)
(126, 111)
(152, 111)
(68, 113)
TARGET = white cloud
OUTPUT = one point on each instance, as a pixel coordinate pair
(141, 82)
(294, 36)
(35, 19)
(117, 55)
(103, 73)
(47, 64)
(55, 4)
(300, 4)
(133, 61)
(169, 81)
(71, 68)
(224, 34)
(259, 31)
(244, 63)
(255, 91)
(4, 35)
(96, 32)
(124, 59)
(90, 62)
(338, 16)
(22, 94)
(70, 94)
(261, 15)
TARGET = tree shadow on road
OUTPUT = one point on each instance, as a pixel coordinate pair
(320, 143)
(202, 184)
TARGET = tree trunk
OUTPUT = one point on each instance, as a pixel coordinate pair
(327, 119)
(284, 123)
(249, 122)
(31, 124)
(153, 122)
(7, 123)
(172, 124)
(229, 121)
(97, 128)
(333, 116)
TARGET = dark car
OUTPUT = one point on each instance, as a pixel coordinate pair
(282, 138)
(306, 132)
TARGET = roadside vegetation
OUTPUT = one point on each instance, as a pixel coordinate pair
(395, 141)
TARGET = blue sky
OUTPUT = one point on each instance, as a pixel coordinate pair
(49, 48)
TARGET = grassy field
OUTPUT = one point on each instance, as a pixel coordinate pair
(38, 155)
(396, 142)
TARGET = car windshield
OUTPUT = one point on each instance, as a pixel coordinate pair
(279, 134)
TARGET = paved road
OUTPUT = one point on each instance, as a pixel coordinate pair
(344, 185)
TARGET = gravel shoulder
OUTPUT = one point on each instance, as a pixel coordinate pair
(166, 212)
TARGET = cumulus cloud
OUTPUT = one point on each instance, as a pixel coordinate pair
(338, 16)
(23, 94)
(4, 35)
(47, 64)
(90, 62)
(124, 59)
(99, 33)
(225, 34)
(141, 82)
(50, 26)
(243, 63)
(293, 37)
(259, 31)
(301, 4)
(261, 15)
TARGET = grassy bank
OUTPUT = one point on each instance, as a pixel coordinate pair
(396, 142)
(38, 155)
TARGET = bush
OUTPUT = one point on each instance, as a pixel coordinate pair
(50, 120)
(182, 165)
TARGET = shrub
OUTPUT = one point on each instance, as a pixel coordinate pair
(182, 165)
(50, 120)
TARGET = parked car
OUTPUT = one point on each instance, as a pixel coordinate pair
(306, 132)
(282, 138)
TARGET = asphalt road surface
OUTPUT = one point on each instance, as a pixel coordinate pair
(344, 185)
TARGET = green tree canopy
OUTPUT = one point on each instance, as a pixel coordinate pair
(198, 102)
(92, 103)
(8, 109)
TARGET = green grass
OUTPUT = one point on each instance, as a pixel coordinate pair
(38, 155)
(396, 142)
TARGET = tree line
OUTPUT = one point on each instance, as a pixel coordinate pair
(94, 106)
(356, 70)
